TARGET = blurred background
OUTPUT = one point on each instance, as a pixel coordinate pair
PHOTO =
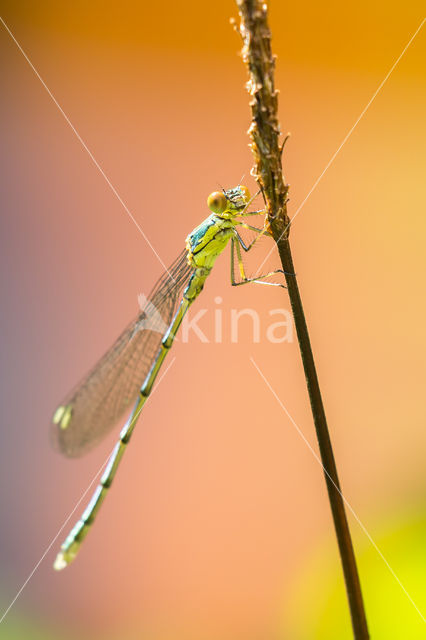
(218, 524)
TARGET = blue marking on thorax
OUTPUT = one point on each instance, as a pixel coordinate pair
(200, 232)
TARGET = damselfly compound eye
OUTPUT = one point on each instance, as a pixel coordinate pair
(245, 193)
(217, 202)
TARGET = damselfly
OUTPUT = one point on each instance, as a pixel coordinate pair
(127, 372)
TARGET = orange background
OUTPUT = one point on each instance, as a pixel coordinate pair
(219, 506)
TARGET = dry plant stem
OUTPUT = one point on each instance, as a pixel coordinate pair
(264, 133)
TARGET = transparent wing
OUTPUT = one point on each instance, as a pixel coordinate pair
(95, 405)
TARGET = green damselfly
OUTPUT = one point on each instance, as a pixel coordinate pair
(127, 372)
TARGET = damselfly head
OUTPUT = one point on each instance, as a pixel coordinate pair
(229, 202)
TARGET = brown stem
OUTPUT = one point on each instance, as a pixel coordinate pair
(264, 133)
